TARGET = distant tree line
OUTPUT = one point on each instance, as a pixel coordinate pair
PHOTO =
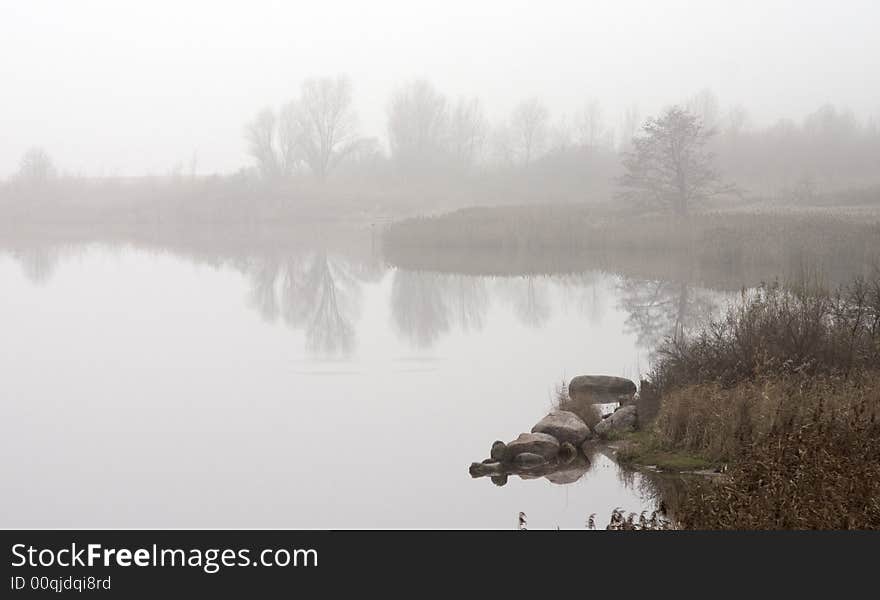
(442, 149)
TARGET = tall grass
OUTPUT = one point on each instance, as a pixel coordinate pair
(785, 388)
(777, 330)
(817, 465)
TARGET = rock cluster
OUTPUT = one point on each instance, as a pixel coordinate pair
(558, 446)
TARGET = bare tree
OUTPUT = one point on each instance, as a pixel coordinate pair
(36, 167)
(590, 126)
(529, 129)
(737, 120)
(261, 136)
(467, 131)
(631, 123)
(670, 165)
(417, 125)
(289, 133)
(325, 123)
(704, 104)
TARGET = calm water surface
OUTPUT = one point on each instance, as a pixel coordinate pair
(151, 386)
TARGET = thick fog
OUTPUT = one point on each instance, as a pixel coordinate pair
(112, 87)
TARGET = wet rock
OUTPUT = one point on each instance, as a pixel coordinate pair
(499, 480)
(542, 444)
(499, 451)
(483, 469)
(622, 420)
(602, 389)
(567, 453)
(527, 459)
(564, 426)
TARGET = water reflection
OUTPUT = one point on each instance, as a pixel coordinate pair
(314, 292)
(499, 344)
(659, 309)
(426, 305)
(316, 286)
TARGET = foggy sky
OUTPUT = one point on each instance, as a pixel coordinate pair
(131, 87)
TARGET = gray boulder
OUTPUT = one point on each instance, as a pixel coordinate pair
(527, 459)
(499, 451)
(622, 420)
(564, 426)
(602, 388)
(542, 444)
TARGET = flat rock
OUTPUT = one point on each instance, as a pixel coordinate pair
(602, 388)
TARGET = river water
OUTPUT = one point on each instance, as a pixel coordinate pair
(186, 382)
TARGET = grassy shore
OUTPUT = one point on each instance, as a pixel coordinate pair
(713, 248)
(786, 390)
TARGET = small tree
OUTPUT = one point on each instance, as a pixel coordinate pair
(669, 164)
(36, 167)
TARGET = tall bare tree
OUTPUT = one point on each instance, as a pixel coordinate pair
(325, 123)
(669, 164)
(529, 128)
(417, 125)
(591, 129)
(261, 136)
(704, 105)
(467, 131)
(630, 125)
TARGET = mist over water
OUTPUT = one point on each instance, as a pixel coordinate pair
(277, 264)
(303, 388)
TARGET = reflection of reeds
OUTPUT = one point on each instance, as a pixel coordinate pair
(632, 522)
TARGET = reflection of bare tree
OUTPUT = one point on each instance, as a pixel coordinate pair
(38, 264)
(470, 301)
(584, 292)
(531, 303)
(262, 295)
(659, 309)
(317, 293)
(418, 307)
(425, 305)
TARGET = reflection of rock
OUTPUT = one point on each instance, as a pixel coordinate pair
(499, 451)
(570, 472)
(622, 420)
(532, 466)
(601, 389)
(564, 426)
(528, 459)
(541, 444)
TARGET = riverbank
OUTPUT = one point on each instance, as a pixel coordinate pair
(711, 247)
(784, 389)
